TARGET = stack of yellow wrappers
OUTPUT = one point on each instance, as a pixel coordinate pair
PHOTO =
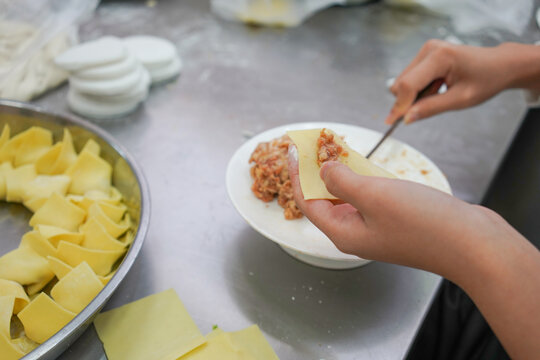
(158, 327)
(80, 229)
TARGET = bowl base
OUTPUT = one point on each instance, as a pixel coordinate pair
(325, 263)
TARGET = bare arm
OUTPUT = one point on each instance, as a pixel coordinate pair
(410, 224)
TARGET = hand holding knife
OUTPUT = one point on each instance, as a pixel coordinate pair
(429, 90)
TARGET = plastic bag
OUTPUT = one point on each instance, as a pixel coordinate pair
(284, 13)
(469, 16)
(32, 33)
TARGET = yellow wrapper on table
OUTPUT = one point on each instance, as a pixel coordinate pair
(246, 344)
(157, 327)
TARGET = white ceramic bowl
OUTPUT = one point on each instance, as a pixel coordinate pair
(300, 238)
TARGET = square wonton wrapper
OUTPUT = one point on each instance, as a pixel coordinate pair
(43, 318)
(246, 344)
(157, 327)
(308, 169)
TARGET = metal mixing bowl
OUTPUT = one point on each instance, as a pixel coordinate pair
(127, 177)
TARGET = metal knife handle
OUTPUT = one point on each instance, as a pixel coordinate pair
(429, 90)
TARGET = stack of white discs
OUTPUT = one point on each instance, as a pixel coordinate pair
(106, 80)
(158, 56)
(110, 77)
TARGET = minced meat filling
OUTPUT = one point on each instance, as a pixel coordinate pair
(328, 149)
(271, 175)
(286, 201)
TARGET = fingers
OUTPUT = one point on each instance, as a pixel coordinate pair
(342, 223)
(453, 99)
(404, 98)
(345, 226)
(346, 185)
(432, 62)
(426, 49)
(411, 84)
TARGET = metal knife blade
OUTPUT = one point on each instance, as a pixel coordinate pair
(429, 90)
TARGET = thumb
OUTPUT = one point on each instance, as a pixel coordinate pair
(343, 183)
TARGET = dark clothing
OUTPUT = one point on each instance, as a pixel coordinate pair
(455, 330)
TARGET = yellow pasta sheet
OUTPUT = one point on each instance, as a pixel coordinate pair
(42, 187)
(34, 288)
(58, 158)
(25, 266)
(14, 289)
(247, 344)
(92, 146)
(58, 267)
(8, 350)
(5, 168)
(7, 304)
(77, 288)
(24, 344)
(252, 344)
(157, 327)
(4, 137)
(113, 228)
(26, 147)
(43, 317)
(101, 261)
(96, 237)
(89, 172)
(17, 181)
(60, 212)
(38, 243)
(61, 269)
(55, 234)
(113, 197)
(310, 181)
(114, 212)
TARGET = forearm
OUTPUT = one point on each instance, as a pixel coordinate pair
(520, 66)
(503, 279)
(410, 224)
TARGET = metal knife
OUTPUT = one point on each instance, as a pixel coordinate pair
(429, 90)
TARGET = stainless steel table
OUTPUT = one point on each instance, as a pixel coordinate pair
(239, 80)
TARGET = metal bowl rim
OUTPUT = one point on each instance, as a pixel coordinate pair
(100, 300)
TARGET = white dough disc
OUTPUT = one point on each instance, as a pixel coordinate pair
(108, 71)
(98, 52)
(152, 51)
(138, 93)
(98, 109)
(166, 72)
(103, 87)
